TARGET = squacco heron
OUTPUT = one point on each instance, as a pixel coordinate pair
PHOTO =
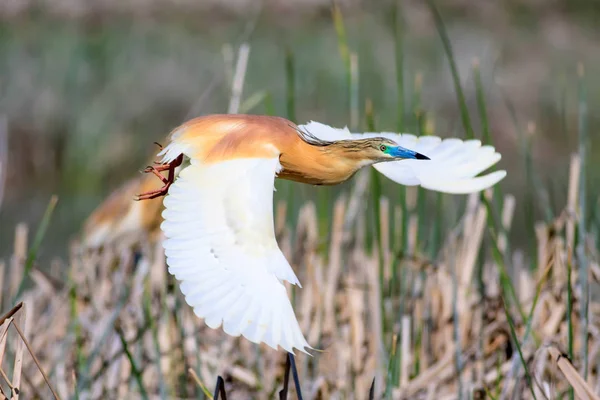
(218, 217)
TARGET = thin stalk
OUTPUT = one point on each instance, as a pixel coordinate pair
(464, 111)
(456, 331)
(570, 314)
(421, 193)
(391, 370)
(37, 241)
(134, 369)
(418, 344)
(534, 187)
(485, 126)
(76, 328)
(340, 30)
(499, 257)
(147, 308)
(398, 25)
(290, 81)
(416, 102)
(581, 253)
(268, 104)
(515, 340)
(399, 53)
(375, 201)
(436, 237)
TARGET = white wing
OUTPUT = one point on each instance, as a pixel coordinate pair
(453, 167)
(220, 243)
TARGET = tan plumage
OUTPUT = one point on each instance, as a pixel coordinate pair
(306, 159)
(120, 218)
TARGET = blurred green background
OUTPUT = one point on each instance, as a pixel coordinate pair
(87, 86)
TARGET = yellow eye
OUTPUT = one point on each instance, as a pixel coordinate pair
(383, 147)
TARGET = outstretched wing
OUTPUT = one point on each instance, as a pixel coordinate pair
(220, 243)
(453, 166)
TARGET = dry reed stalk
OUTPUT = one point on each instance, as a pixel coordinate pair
(582, 389)
(375, 320)
(23, 336)
(3, 156)
(471, 246)
(384, 217)
(508, 211)
(18, 258)
(572, 199)
(280, 214)
(2, 275)
(335, 265)
(424, 379)
(3, 337)
(316, 326)
(551, 325)
(238, 79)
(355, 302)
(405, 348)
(158, 269)
(18, 364)
(538, 370)
(357, 198)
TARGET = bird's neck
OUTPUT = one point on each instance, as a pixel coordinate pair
(321, 165)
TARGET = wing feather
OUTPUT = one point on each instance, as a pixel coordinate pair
(453, 167)
(220, 243)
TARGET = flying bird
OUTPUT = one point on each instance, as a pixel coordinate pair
(218, 217)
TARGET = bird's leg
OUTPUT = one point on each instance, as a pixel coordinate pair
(156, 171)
(290, 364)
(168, 180)
(220, 389)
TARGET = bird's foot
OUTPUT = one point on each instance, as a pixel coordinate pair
(167, 181)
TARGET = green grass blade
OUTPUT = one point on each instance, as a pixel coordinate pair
(268, 104)
(534, 187)
(399, 55)
(391, 370)
(485, 126)
(581, 252)
(134, 369)
(290, 81)
(464, 111)
(375, 201)
(75, 327)
(505, 280)
(340, 30)
(37, 241)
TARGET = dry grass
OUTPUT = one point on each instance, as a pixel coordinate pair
(119, 327)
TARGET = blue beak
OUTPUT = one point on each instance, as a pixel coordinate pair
(401, 152)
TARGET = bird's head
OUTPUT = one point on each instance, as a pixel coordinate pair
(378, 149)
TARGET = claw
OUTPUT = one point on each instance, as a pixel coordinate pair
(168, 181)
